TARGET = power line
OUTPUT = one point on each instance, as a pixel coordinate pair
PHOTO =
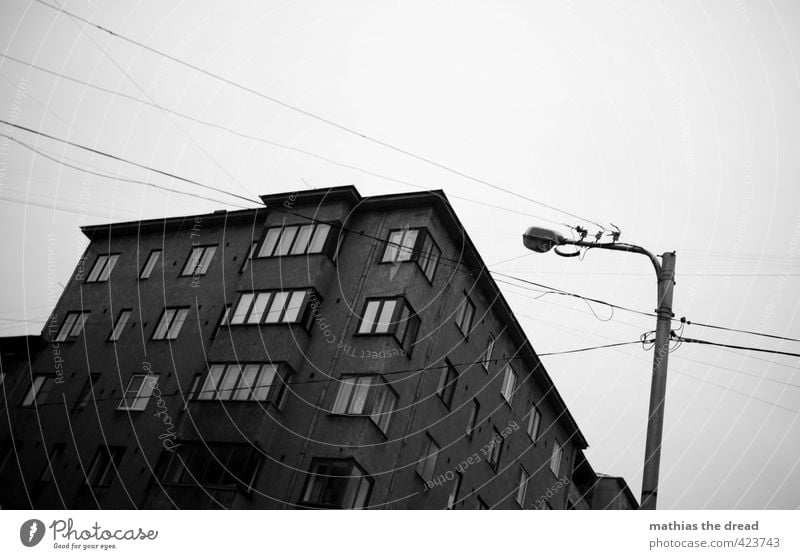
(315, 116)
(716, 327)
(747, 348)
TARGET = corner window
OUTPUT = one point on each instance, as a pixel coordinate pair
(447, 383)
(367, 395)
(509, 383)
(464, 315)
(391, 316)
(138, 392)
(104, 465)
(119, 327)
(291, 240)
(40, 389)
(256, 382)
(534, 421)
(555, 458)
(427, 460)
(199, 260)
(272, 307)
(102, 268)
(417, 244)
(336, 484)
(170, 323)
(152, 260)
(72, 326)
(211, 465)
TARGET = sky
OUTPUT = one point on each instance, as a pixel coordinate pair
(679, 122)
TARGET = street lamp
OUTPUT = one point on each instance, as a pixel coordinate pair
(539, 239)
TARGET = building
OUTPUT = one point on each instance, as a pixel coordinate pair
(327, 350)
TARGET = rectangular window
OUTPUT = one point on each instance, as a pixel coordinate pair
(199, 260)
(40, 389)
(447, 383)
(55, 455)
(119, 327)
(496, 451)
(211, 465)
(509, 383)
(555, 458)
(272, 307)
(336, 484)
(72, 326)
(455, 487)
(170, 323)
(104, 465)
(366, 395)
(487, 355)
(391, 316)
(257, 382)
(250, 255)
(522, 489)
(534, 421)
(473, 417)
(405, 245)
(427, 460)
(292, 240)
(102, 268)
(464, 315)
(138, 392)
(152, 260)
(87, 392)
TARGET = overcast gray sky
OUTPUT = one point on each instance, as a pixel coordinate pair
(677, 121)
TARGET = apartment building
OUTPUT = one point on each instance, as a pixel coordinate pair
(326, 350)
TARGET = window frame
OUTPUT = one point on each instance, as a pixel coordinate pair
(34, 392)
(509, 374)
(114, 336)
(466, 303)
(110, 469)
(296, 228)
(167, 337)
(448, 379)
(48, 471)
(496, 452)
(173, 465)
(103, 274)
(86, 394)
(472, 422)
(374, 396)
(488, 353)
(303, 316)
(361, 493)
(403, 318)
(415, 252)
(80, 318)
(208, 389)
(427, 459)
(138, 401)
(534, 423)
(452, 497)
(147, 269)
(522, 488)
(556, 457)
(201, 265)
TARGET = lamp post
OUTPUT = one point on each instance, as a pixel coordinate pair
(539, 239)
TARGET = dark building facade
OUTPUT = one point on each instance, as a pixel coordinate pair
(327, 350)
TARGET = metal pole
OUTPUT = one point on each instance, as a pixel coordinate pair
(655, 421)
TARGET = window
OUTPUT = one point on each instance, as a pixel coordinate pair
(169, 325)
(257, 382)
(272, 307)
(103, 466)
(534, 421)
(464, 315)
(152, 260)
(496, 451)
(336, 484)
(199, 260)
(216, 465)
(8, 450)
(55, 455)
(487, 355)
(294, 239)
(391, 316)
(87, 392)
(119, 327)
(555, 458)
(404, 245)
(40, 389)
(366, 395)
(509, 383)
(482, 504)
(250, 255)
(447, 383)
(427, 461)
(138, 392)
(72, 326)
(452, 498)
(473, 417)
(523, 487)
(102, 268)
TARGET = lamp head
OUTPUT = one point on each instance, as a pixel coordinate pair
(539, 239)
